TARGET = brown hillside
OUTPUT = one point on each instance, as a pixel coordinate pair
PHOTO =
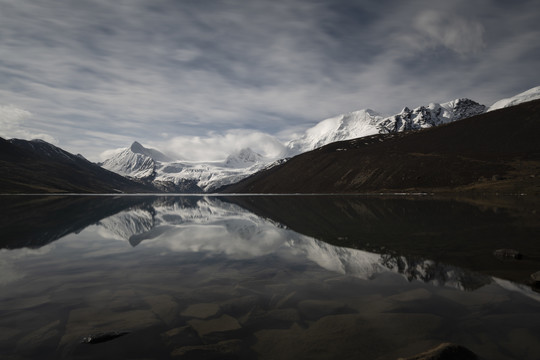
(495, 152)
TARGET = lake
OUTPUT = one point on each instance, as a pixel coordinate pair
(267, 277)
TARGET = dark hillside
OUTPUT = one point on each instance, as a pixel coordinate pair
(39, 167)
(496, 151)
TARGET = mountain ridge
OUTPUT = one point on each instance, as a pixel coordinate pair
(481, 153)
(139, 163)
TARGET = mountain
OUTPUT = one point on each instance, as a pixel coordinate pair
(529, 95)
(154, 168)
(495, 151)
(367, 122)
(39, 167)
(135, 161)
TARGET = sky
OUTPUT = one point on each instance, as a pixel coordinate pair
(199, 79)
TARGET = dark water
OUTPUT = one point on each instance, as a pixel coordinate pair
(285, 277)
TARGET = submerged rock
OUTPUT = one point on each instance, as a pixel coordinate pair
(103, 337)
(507, 254)
(536, 276)
(445, 351)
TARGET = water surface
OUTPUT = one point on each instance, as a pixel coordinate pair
(268, 277)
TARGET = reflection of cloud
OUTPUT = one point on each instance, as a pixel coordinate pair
(9, 271)
(218, 239)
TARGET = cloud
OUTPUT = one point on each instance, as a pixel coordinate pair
(100, 74)
(216, 146)
(456, 33)
(12, 121)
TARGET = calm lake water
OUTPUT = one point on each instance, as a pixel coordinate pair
(266, 277)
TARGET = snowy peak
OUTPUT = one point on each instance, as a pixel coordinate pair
(135, 162)
(342, 127)
(367, 122)
(432, 115)
(244, 158)
(156, 155)
(529, 95)
(464, 108)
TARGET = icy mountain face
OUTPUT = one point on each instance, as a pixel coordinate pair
(529, 95)
(367, 122)
(342, 127)
(208, 176)
(135, 162)
(428, 116)
(151, 166)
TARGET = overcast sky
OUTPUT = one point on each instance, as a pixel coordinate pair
(201, 77)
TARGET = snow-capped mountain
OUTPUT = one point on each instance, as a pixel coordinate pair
(368, 122)
(151, 166)
(529, 95)
(136, 161)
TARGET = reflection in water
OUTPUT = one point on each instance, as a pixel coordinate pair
(201, 226)
(203, 277)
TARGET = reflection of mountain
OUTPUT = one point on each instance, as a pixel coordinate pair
(451, 232)
(129, 223)
(216, 227)
(359, 236)
(35, 221)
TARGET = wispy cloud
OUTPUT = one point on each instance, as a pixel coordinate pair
(12, 125)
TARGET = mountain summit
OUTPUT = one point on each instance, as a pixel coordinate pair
(135, 161)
